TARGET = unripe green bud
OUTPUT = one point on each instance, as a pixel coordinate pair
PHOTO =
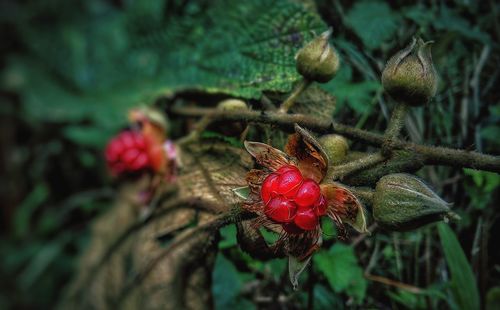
(318, 60)
(409, 76)
(149, 114)
(232, 105)
(230, 129)
(335, 146)
(403, 202)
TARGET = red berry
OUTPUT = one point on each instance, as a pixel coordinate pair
(308, 193)
(280, 209)
(114, 149)
(306, 219)
(292, 229)
(130, 155)
(140, 162)
(289, 182)
(321, 206)
(128, 152)
(269, 187)
(287, 168)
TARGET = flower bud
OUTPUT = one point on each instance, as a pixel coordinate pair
(151, 115)
(232, 105)
(403, 202)
(318, 60)
(409, 76)
(336, 147)
(230, 129)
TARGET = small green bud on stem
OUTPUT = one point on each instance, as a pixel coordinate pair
(231, 129)
(409, 76)
(403, 202)
(335, 147)
(318, 61)
(232, 105)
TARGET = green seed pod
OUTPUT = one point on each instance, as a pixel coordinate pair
(403, 202)
(409, 76)
(149, 114)
(335, 146)
(230, 129)
(318, 60)
(232, 105)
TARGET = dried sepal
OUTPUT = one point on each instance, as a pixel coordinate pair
(302, 245)
(345, 206)
(312, 160)
(267, 156)
(251, 240)
(295, 268)
(254, 179)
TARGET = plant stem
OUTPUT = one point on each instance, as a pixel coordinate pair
(195, 134)
(290, 101)
(432, 155)
(341, 171)
(364, 193)
(394, 127)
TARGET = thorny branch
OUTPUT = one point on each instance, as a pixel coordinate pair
(432, 155)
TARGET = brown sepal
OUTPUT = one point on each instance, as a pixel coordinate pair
(312, 160)
(344, 206)
(267, 156)
(254, 179)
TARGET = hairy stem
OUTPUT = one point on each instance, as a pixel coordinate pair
(394, 127)
(299, 89)
(364, 193)
(432, 155)
(341, 171)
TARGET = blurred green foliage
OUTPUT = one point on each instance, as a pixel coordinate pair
(71, 69)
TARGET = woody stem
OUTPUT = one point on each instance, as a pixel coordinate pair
(431, 155)
(298, 90)
(394, 126)
(341, 171)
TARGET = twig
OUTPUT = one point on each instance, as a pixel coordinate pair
(387, 281)
(433, 155)
(394, 127)
(299, 89)
(341, 171)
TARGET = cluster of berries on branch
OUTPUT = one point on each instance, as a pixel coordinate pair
(293, 201)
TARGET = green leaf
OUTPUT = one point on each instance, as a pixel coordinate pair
(91, 65)
(242, 192)
(450, 20)
(463, 283)
(493, 298)
(87, 135)
(419, 14)
(227, 283)
(373, 21)
(356, 95)
(28, 207)
(482, 186)
(324, 299)
(341, 269)
(315, 102)
(228, 234)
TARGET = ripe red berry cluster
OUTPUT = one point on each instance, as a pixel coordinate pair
(128, 152)
(292, 201)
